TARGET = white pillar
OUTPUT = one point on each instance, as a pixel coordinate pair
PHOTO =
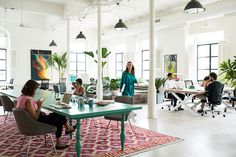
(68, 52)
(99, 82)
(151, 88)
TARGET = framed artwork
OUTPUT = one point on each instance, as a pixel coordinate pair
(170, 63)
(40, 70)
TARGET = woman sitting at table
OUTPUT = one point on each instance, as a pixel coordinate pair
(27, 102)
(206, 81)
(78, 87)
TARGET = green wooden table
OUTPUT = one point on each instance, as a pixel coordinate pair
(75, 112)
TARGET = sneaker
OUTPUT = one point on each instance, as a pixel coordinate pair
(180, 108)
(199, 111)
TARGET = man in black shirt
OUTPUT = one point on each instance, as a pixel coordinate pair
(211, 89)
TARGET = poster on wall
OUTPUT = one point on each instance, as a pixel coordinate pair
(170, 63)
(40, 70)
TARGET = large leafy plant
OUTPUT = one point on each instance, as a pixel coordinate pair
(159, 82)
(228, 69)
(59, 62)
(105, 54)
(114, 84)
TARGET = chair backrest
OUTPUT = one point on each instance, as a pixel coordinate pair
(28, 126)
(125, 99)
(109, 97)
(11, 81)
(7, 103)
(214, 95)
(235, 92)
(44, 84)
(56, 88)
(188, 83)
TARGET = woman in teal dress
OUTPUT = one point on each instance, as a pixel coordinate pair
(127, 80)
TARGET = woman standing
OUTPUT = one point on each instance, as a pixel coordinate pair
(127, 80)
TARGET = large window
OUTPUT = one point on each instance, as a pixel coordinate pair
(3, 64)
(207, 59)
(119, 64)
(77, 63)
(145, 64)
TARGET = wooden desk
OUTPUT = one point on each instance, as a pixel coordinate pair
(80, 113)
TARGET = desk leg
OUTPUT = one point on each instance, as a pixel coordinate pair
(122, 133)
(78, 144)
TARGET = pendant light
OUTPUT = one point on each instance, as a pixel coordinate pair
(194, 7)
(120, 26)
(80, 36)
(52, 43)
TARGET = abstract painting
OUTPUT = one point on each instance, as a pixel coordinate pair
(40, 70)
(170, 63)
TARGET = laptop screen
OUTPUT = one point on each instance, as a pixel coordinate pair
(66, 98)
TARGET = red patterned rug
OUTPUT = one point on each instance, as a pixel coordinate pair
(93, 140)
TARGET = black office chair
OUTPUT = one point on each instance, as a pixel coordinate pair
(44, 84)
(214, 98)
(231, 98)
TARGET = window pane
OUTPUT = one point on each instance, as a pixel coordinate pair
(81, 71)
(145, 55)
(203, 50)
(3, 75)
(2, 64)
(72, 56)
(81, 57)
(202, 74)
(215, 50)
(119, 57)
(214, 63)
(146, 65)
(146, 75)
(73, 72)
(2, 54)
(118, 74)
(72, 65)
(203, 63)
(81, 66)
(119, 66)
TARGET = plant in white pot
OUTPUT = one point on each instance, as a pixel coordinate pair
(159, 83)
(59, 62)
(114, 86)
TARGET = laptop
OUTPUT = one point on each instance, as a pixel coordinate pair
(66, 99)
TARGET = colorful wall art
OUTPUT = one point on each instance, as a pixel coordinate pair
(40, 70)
(170, 63)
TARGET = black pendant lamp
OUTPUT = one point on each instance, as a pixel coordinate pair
(194, 7)
(52, 43)
(120, 26)
(80, 36)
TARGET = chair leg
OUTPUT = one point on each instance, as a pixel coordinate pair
(131, 127)
(29, 146)
(6, 117)
(94, 123)
(107, 127)
(45, 139)
(53, 144)
(22, 143)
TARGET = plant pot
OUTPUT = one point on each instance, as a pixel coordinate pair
(115, 92)
(159, 97)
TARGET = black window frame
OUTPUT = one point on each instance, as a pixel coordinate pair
(5, 64)
(210, 58)
(116, 68)
(76, 63)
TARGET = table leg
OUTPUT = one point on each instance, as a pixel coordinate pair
(122, 133)
(78, 144)
(71, 125)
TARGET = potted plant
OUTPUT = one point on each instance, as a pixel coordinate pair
(105, 54)
(159, 82)
(59, 62)
(228, 69)
(114, 86)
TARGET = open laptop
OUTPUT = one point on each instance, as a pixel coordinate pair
(66, 99)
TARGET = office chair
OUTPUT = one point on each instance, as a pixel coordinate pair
(44, 84)
(231, 99)
(8, 105)
(214, 98)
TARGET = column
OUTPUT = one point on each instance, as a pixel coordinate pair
(68, 52)
(151, 88)
(99, 82)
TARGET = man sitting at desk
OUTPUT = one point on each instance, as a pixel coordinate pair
(170, 84)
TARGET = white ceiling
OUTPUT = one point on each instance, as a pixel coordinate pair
(84, 11)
